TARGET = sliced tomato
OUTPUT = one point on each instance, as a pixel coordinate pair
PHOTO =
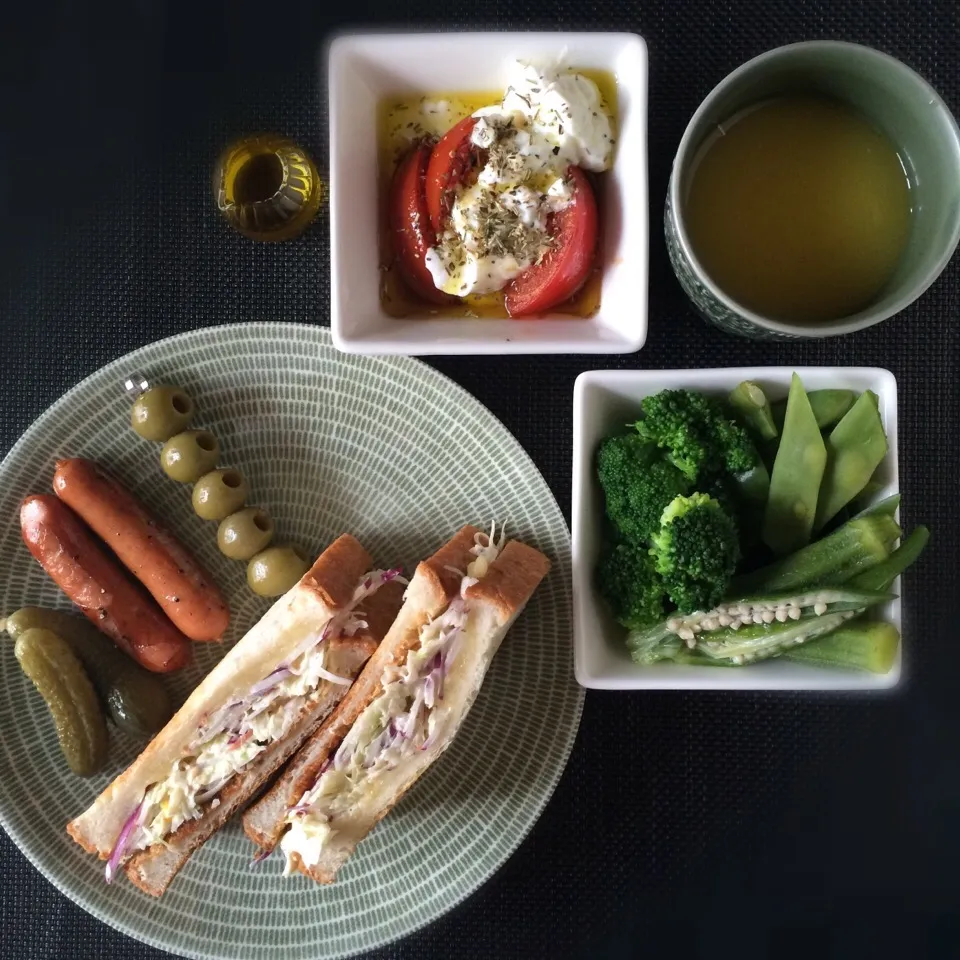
(410, 225)
(568, 264)
(452, 158)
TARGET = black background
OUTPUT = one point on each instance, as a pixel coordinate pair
(687, 824)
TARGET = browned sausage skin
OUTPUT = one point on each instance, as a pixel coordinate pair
(99, 586)
(184, 590)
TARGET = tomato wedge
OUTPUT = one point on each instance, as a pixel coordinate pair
(568, 264)
(452, 158)
(410, 225)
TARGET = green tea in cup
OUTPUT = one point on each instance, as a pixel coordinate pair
(799, 208)
(815, 192)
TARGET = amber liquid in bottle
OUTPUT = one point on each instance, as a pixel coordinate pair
(267, 187)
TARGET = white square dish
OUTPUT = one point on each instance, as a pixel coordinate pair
(365, 69)
(603, 401)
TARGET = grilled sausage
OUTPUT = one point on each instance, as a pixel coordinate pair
(184, 590)
(97, 584)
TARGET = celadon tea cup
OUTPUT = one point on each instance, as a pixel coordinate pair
(893, 98)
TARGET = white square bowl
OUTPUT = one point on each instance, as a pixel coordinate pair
(604, 401)
(365, 69)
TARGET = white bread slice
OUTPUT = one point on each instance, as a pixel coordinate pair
(325, 589)
(495, 603)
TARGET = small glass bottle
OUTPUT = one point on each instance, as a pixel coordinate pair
(267, 187)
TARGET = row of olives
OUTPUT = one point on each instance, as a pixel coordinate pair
(162, 414)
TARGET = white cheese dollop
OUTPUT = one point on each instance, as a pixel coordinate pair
(547, 121)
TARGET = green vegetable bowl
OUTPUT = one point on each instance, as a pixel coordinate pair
(605, 402)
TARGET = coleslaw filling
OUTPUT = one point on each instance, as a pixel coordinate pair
(404, 718)
(235, 734)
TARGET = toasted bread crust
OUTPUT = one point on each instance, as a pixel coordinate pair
(511, 579)
(439, 571)
(333, 578)
(153, 869)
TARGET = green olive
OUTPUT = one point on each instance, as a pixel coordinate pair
(219, 493)
(189, 455)
(60, 679)
(274, 571)
(160, 412)
(245, 533)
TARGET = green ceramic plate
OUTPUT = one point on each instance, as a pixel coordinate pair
(394, 453)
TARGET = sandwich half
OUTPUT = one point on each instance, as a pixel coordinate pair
(244, 720)
(405, 708)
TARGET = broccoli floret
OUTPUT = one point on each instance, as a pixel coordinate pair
(629, 582)
(675, 421)
(696, 434)
(696, 551)
(737, 450)
(638, 485)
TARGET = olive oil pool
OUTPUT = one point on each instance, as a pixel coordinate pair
(799, 209)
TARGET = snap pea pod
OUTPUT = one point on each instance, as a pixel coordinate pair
(795, 481)
(753, 409)
(828, 406)
(859, 645)
(855, 448)
(60, 679)
(856, 546)
(136, 701)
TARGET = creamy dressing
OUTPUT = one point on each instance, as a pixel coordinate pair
(406, 717)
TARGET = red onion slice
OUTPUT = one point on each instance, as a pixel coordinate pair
(269, 682)
(259, 857)
(123, 841)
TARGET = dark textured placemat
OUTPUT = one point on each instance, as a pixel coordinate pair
(687, 823)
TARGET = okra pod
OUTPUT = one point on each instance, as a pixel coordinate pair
(834, 559)
(753, 409)
(859, 645)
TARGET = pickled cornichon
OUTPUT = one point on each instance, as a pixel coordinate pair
(136, 701)
(60, 679)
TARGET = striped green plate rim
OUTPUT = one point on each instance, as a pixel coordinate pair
(384, 448)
